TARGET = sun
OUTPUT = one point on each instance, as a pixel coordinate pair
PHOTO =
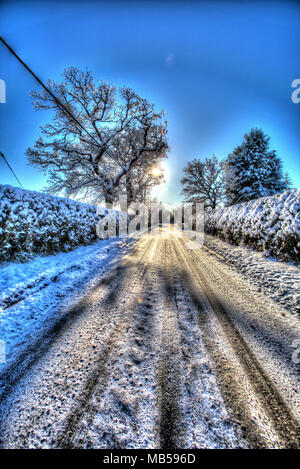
(156, 172)
(159, 190)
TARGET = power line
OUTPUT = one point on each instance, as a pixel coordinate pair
(47, 89)
(51, 94)
(11, 169)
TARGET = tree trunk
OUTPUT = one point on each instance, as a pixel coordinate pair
(109, 201)
(129, 189)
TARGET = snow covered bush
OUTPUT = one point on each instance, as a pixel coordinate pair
(34, 222)
(269, 224)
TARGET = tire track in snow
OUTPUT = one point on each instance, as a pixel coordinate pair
(128, 369)
(192, 412)
(70, 436)
(32, 287)
(16, 430)
(169, 371)
(40, 342)
(38, 346)
(131, 363)
(284, 427)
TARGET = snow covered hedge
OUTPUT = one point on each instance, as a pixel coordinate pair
(270, 224)
(34, 222)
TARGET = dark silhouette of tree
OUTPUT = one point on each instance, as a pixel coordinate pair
(115, 135)
(203, 181)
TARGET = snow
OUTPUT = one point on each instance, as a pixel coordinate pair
(269, 224)
(34, 222)
(252, 171)
(106, 368)
(35, 295)
(277, 280)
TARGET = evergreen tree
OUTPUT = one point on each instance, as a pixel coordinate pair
(252, 170)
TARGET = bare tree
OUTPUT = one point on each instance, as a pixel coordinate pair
(203, 181)
(112, 132)
(140, 177)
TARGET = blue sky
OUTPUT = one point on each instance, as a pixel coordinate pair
(217, 68)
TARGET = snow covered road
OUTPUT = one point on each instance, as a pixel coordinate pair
(164, 347)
